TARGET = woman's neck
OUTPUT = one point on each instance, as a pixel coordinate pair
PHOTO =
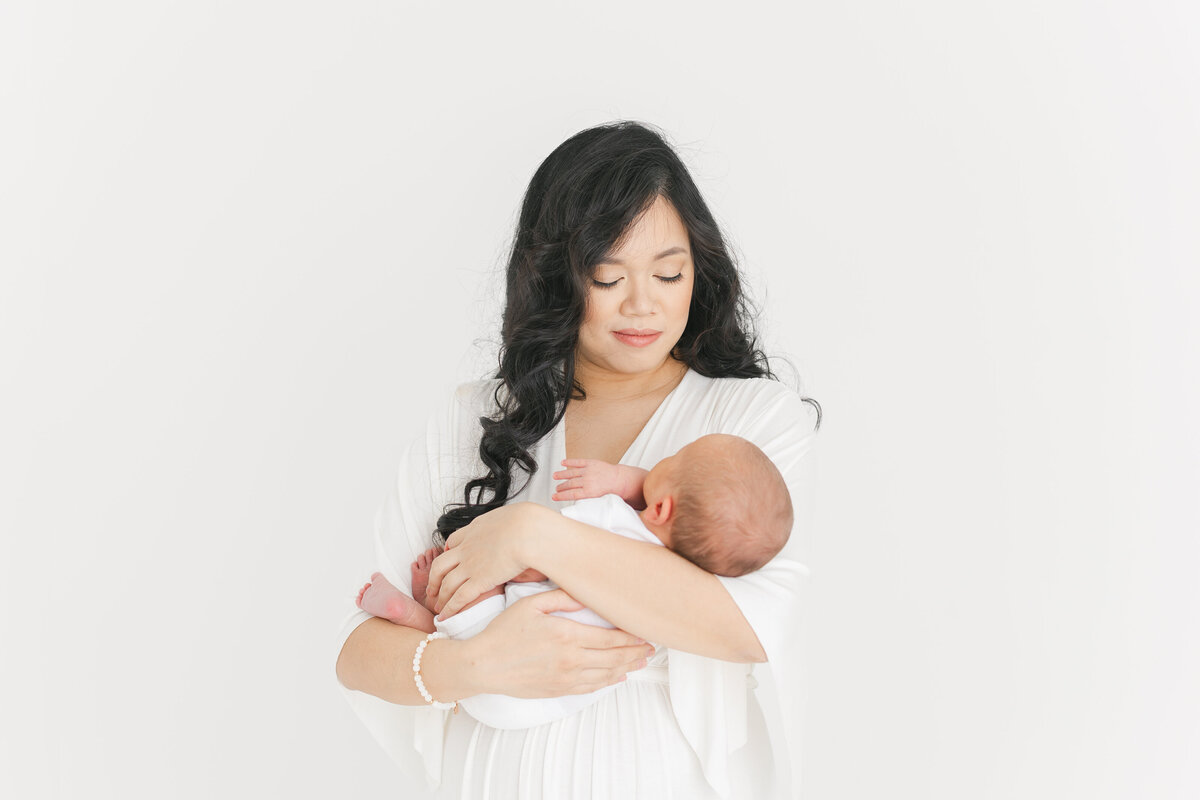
(607, 386)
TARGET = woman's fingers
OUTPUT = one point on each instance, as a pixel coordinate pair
(608, 675)
(460, 598)
(556, 600)
(438, 570)
(599, 640)
(538, 654)
(606, 638)
(607, 667)
(451, 583)
(626, 658)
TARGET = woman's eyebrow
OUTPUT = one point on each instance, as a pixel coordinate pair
(668, 252)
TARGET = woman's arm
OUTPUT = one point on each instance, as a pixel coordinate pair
(646, 590)
(524, 652)
(377, 659)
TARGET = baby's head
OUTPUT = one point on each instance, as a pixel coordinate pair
(720, 503)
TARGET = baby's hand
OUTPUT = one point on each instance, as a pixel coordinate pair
(589, 477)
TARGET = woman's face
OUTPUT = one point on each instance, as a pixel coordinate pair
(637, 305)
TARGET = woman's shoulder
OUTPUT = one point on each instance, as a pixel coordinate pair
(747, 400)
(745, 388)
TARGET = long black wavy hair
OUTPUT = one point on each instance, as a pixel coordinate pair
(579, 203)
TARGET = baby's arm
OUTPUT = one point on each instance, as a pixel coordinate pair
(589, 477)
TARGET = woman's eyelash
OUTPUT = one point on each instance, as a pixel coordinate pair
(602, 285)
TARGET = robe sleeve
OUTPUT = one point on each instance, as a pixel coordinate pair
(784, 426)
(709, 696)
(433, 469)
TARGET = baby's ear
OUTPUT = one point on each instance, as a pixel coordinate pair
(661, 512)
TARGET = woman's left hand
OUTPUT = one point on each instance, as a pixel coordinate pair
(480, 556)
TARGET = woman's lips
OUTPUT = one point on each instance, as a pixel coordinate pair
(637, 337)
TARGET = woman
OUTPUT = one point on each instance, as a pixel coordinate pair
(625, 336)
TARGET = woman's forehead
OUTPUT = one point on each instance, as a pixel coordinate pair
(657, 235)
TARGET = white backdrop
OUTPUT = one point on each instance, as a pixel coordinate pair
(245, 246)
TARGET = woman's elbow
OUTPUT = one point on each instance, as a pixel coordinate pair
(745, 650)
(753, 655)
(342, 669)
(348, 666)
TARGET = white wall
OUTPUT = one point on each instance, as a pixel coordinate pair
(246, 246)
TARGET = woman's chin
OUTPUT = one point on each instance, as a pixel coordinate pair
(636, 364)
(627, 361)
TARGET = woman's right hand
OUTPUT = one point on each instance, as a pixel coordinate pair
(528, 652)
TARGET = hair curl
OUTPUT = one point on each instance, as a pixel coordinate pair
(580, 202)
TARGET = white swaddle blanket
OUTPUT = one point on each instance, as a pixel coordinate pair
(509, 713)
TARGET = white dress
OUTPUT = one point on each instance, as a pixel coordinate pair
(686, 726)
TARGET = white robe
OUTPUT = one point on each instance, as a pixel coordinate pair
(692, 730)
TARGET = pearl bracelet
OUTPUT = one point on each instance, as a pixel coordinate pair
(417, 673)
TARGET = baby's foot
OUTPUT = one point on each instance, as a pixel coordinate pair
(420, 573)
(381, 599)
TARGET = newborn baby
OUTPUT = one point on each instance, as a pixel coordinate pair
(719, 502)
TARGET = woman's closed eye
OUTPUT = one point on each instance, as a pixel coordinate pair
(610, 284)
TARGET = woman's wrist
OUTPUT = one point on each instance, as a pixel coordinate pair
(449, 670)
(535, 522)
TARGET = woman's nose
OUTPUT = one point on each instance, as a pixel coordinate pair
(640, 301)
